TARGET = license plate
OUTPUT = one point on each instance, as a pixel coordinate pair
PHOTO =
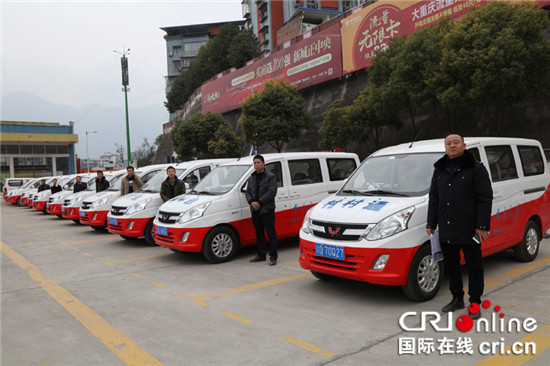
(62, 209)
(46, 206)
(330, 251)
(82, 214)
(162, 230)
(113, 221)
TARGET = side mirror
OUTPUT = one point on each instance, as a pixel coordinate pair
(243, 188)
(186, 186)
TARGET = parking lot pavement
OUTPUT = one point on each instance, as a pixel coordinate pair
(75, 296)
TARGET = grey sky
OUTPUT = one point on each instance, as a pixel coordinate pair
(62, 51)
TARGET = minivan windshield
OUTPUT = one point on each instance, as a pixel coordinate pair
(406, 175)
(154, 184)
(221, 180)
(114, 183)
(31, 183)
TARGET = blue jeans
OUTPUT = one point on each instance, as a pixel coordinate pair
(265, 223)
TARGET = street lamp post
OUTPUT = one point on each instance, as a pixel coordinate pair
(88, 155)
(125, 83)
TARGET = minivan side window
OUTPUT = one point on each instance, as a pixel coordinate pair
(475, 153)
(148, 176)
(531, 160)
(305, 171)
(501, 163)
(15, 183)
(276, 169)
(340, 169)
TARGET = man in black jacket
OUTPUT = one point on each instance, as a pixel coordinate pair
(101, 183)
(79, 185)
(172, 186)
(55, 187)
(459, 205)
(260, 195)
(43, 186)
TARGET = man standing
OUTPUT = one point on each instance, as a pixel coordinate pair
(55, 187)
(130, 183)
(460, 206)
(79, 185)
(260, 194)
(172, 186)
(43, 186)
(101, 183)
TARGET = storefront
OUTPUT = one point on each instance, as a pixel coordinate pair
(36, 149)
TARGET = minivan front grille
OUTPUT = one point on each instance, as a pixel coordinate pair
(118, 211)
(168, 217)
(338, 231)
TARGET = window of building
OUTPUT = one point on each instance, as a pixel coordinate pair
(177, 50)
(12, 149)
(312, 4)
(62, 165)
(26, 149)
(501, 163)
(340, 169)
(346, 5)
(51, 149)
(305, 171)
(531, 160)
(62, 149)
(192, 48)
(38, 149)
(176, 65)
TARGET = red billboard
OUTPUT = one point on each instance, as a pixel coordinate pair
(311, 61)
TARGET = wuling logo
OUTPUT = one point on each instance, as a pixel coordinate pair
(495, 323)
(333, 233)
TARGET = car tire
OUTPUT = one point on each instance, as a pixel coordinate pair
(149, 233)
(76, 221)
(423, 280)
(220, 245)
(18, 202)
(527, 250)
(60, 216)
(322, 276)
(127, 237)
(98, 228)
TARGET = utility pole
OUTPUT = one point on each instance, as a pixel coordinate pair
(125, 83)
(88, 155)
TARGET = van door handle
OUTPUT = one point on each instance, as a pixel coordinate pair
(332, 191)
(496, 195)
(294, 195)
(283, 196)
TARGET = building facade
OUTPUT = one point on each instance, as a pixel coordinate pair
(182, 46)
(36, 149)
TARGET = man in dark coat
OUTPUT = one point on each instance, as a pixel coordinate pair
(43, 186)
(101, 183)
(260, 195)
(55, 187)
(459, 205)
(172, 186)
(79, 185)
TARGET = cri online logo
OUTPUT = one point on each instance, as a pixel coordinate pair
(465, 323)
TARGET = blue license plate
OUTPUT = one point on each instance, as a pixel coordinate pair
(162, 230)
(82, 214)
(330, 251)
(62, 209)
(46, 206)
(113, 221)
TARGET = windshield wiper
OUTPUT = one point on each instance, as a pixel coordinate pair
(149, 191)
(380, 191)
(206, 193)
(352, 191)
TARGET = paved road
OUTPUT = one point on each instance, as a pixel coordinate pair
(75, 296)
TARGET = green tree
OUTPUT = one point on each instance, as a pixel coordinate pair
(494, 57)
(336, 129)
(230, 48)
(225, 143)
(274, 116)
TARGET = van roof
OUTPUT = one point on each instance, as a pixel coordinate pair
(248, 160)
(437, 145)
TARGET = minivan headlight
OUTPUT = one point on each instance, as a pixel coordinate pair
(391, 225)
(137, 207)
(306, 225)
(193, 213)
(76, 200)
(98, 203)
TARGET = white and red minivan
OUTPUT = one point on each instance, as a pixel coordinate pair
(374, 228)
(214, 218)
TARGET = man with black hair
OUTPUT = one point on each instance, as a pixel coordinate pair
(130, 183)
(79, 185)
(55, 187)
(43, 186)
(171, 186)
(260, 195)
(459, 206)
(101, 183)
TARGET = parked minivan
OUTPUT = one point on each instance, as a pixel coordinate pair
(214, 218)
(132, 215)
(374, 228)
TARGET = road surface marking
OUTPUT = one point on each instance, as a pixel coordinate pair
(236, 317)
(139, 258)
(123, 347)
(309, 347)
(85, 241)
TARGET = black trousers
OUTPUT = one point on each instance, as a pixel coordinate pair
(472, 256)
(265, 222)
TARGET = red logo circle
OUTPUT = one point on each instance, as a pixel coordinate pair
(486, 304)
(473, 308)
(464, 323)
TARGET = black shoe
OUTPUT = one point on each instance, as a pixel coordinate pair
(272, 262)
(257, 259)
(455, 304)
(476, 315)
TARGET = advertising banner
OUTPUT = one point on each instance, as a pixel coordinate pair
(305, 63)
(371, 28)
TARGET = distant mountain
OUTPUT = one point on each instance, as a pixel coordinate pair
(109, 122)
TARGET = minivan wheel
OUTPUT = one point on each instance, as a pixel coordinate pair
(76, 221)
(220, 245)
(150, 233)
(18, 202)
(322, 276)
(424, 280)
(98, 228)
(528, 249)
